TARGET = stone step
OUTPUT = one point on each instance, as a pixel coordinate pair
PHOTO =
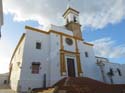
(7, 91)
(83, 85)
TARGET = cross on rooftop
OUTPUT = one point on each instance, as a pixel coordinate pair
(69, 4)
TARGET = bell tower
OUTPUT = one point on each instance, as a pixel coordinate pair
(71, 17)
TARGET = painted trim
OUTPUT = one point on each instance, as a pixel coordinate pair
(62, 51)
(70, 9)
(76, 45)
(61, 42)
(36, 30)
(88, 44)
(60, 33)
(79, 68)
(51, 31)
(68, 52)
(62, 57)
(62, 64)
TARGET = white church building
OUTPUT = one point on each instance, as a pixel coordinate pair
(42, 58)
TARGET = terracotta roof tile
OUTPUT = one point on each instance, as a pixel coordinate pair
(85, 85)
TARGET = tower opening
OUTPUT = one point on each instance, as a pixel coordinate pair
(71, 17)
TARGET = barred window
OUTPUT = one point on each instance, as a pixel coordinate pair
(86, 54)
(119, 72)
(38, 45)
(35, 68)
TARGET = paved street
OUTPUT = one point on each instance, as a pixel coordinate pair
(6, 89)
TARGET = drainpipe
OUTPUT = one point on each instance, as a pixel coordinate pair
(44, 81)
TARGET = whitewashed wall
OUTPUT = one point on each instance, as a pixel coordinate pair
(90, 69)
(117, 79)
(31, 54)
(16, 66)
(54, 58)
(49, 57)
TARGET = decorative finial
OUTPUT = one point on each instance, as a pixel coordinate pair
(68, 4)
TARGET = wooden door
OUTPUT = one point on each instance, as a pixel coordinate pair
(71, 67)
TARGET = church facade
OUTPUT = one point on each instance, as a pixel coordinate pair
(42, 58)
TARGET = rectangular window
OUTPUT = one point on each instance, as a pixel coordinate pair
(38, 45)
(111, 72)
(86, 54)
(119, 72)
(35, 68)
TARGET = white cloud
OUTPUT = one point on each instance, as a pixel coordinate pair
(6, 49)
(106, 47)
(94, 13)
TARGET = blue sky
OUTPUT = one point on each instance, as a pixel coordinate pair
(116, 32)
(11, 33)
(103, 24)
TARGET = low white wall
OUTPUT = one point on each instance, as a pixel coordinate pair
(3, 79)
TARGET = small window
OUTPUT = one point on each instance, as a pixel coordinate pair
(75, 19)
(35, 68)
(86, 54)
(111, 72)
(119, 72)
(38, 45)
(5, 81)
